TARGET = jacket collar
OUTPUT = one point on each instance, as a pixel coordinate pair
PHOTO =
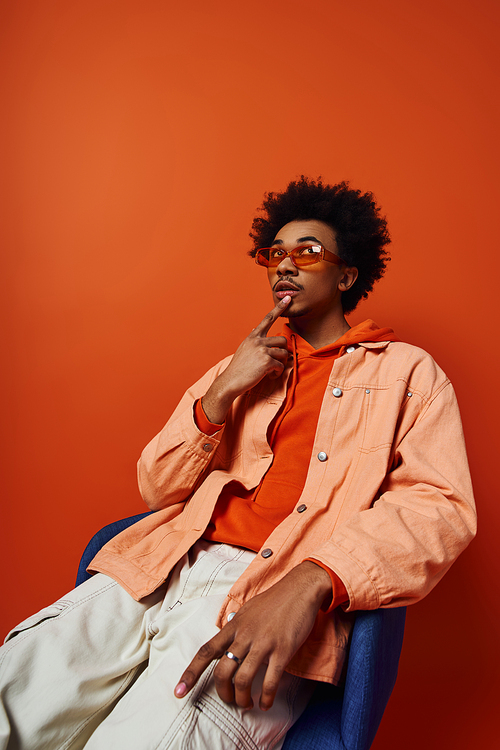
(374, 344)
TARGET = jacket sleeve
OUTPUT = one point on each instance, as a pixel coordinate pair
(395, 552)
(176, 459)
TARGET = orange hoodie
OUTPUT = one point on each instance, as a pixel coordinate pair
(246, 518)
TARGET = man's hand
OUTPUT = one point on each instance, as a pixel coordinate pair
(268, 629)
(257, 356)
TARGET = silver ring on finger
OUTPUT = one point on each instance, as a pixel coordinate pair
(230, 655)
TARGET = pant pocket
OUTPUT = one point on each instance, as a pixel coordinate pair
(47, 613)
(247, 729)
(209, 726)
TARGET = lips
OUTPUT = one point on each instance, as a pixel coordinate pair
(286, 286)
(285, 289)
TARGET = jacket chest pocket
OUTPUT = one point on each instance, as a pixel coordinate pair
(364, 417)
(382, 411)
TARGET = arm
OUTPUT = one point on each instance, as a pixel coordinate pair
(395, 552)
(174, 461)
(268, 629)
(257, 356)
(176, 458)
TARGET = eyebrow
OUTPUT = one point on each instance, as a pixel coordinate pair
(300, 239)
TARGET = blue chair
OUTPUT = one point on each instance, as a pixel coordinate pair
(337, 718)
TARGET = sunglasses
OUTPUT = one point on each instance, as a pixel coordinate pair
(304, 255)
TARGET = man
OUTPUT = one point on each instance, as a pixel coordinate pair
(312, 474)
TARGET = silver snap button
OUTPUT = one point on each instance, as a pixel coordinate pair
(337, 392)
(207, 447)
(230, 616)
(350, 349)
(367, 390)
(266, 552)
(409, 394)
(322, 456)
(301, 508)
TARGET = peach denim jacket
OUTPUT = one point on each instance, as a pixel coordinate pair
(388, 511)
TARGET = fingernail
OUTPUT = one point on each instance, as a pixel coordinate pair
(286, 299)
(180, 690)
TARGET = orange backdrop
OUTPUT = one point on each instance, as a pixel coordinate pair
(136, 130)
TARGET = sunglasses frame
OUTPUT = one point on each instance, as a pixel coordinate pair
(323, 254)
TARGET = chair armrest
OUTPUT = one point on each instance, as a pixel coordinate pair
(371, 673)
(349, 719)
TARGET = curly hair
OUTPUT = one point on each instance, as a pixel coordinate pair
(361, 231)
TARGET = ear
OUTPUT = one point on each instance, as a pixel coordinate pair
(347, 279)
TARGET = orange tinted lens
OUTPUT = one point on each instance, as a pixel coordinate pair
(275, 255)
(262, 257)
(305, 260)
(306, 256)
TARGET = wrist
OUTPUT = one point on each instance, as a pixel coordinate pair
(319, 581)
(217, 401)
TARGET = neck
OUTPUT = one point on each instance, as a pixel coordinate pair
(320, 332)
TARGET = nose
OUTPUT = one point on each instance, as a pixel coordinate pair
(286, 267)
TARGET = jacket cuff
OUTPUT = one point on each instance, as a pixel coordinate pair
(203, 423)
(361, 590)
(339, 591)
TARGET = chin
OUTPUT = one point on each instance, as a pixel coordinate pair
(294, 313)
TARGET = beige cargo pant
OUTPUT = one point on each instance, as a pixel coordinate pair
(97, 669)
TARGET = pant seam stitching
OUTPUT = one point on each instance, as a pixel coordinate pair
(128, 679)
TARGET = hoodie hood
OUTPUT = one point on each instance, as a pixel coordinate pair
(366, 332)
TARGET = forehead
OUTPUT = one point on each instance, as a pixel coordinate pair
(298, 231)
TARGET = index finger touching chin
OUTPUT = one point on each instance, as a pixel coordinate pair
(269, 319)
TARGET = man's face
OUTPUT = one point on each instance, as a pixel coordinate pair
(315, 290)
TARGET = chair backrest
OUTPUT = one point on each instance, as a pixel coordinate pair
(344, 718)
